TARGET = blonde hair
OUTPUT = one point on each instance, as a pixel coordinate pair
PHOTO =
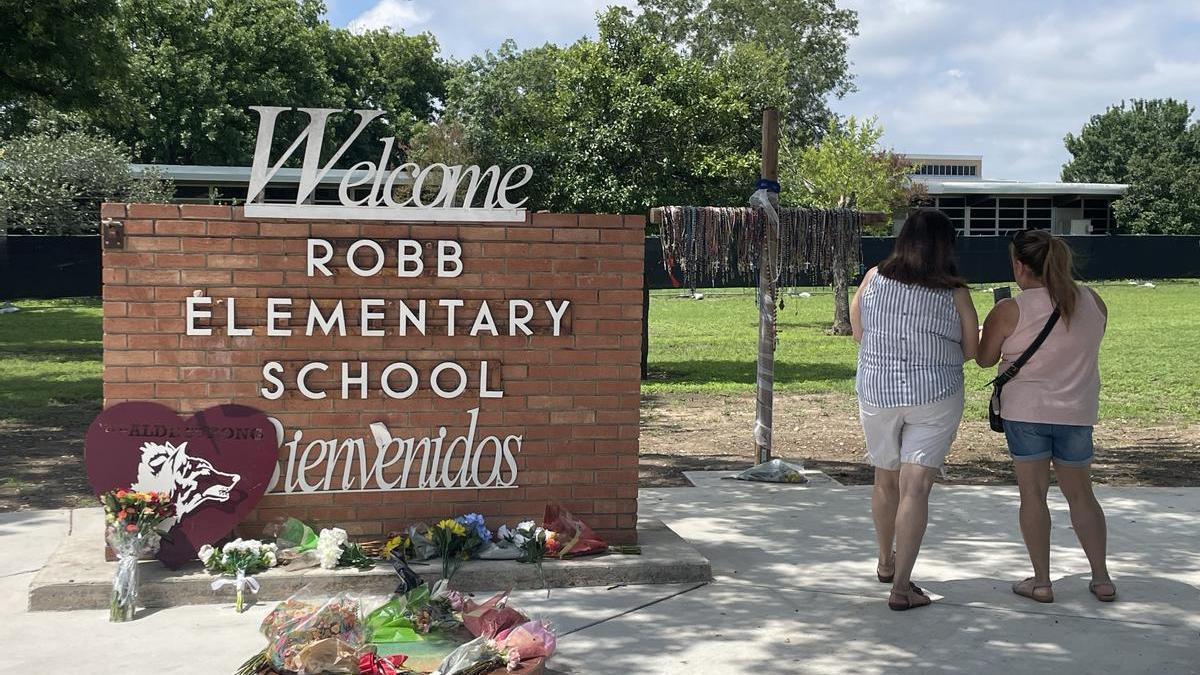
(1051, 260)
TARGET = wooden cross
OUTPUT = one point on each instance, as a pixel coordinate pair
(765, 387)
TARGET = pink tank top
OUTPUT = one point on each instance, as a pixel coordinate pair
(1061, 382)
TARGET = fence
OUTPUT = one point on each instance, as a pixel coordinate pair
(49, 266)
(60, 267)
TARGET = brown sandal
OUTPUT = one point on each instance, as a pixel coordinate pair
(888, 578)
(1103, 597)
(908, 602)
(1028, 588)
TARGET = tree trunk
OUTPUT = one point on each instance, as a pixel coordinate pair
(841, 302)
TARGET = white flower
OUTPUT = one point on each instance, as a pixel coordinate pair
(269, 558)
(329, 546)
(336, 535)
(270, 548)
(329, 556)
(527, 525)
(232, 546)
(206, 553)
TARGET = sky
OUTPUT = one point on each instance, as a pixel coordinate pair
(1006, 80)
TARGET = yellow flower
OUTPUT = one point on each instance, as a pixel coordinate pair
(397, 542)
(453, 527)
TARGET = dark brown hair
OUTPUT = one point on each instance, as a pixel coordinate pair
(1051, 260)
(924, 252)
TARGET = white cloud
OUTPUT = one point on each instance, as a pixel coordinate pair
(389, 14)
(467, 27)
(1010, 80)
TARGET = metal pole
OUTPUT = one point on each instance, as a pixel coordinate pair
(766, 298)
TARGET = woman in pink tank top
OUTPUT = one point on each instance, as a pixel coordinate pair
(1050, 407)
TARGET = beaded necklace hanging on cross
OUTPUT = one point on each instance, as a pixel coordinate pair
(715, 243)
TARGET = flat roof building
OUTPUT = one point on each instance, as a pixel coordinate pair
(981, 206)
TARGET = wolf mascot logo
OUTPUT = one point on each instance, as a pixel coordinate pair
(191, 481)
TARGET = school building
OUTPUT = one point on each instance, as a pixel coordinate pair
(984, 206)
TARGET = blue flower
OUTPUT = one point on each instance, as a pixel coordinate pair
(474, 523)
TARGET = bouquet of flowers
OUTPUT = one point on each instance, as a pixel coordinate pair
(573, 537)
(524, 642)
(535, 544)
(405, 617)
(297, 628)
(334, 549)
(296, 543)
(490, 617)
(132, 521)
(239, 558)
(529, 640)
(457, 539)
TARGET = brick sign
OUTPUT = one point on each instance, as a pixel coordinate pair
(411, 371)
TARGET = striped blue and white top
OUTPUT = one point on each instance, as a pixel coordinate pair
(911, 352)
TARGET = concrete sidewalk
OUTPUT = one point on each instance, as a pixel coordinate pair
(794, 592)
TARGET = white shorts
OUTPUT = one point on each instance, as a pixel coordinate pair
(919, 434)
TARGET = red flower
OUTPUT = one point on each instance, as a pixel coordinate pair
(121, 494)
(131, 528)
(121, 514)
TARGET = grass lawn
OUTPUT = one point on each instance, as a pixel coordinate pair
(1149, 365)
(50, 352)
(50, 362)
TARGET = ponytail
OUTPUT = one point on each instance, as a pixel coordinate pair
(1051, 259)
(1056, 274)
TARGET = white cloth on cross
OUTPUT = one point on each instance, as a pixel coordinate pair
(769, 202)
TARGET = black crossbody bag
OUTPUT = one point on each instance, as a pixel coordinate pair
(994, 419)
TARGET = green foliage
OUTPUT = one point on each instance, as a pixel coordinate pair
(805, 42)
(616, 124)
(196, 66)
(53, 183)
(64, 51)
(1154, 147)
(444, 142)
(848, 161)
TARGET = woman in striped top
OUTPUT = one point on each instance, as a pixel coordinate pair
(916, 325)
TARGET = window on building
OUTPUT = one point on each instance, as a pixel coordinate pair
(954, 209)
(981, 216)
(1099, 211)
(1038, 214)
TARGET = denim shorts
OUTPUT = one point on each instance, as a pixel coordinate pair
(1066, 444)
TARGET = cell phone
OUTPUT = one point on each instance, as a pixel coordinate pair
(1001, 293)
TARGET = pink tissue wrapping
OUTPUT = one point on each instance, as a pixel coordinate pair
(531, 639)
(488, 619)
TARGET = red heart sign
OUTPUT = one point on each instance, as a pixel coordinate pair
(216, 465)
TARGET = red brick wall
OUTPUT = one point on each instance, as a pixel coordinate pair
(574, 398)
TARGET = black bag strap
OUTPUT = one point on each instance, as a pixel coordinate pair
(1011, 372)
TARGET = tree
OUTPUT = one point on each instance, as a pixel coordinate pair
(443, 142)
(805, 41)
(52, 183)
(196, 66)
(63, 51)
(848, 166)
(616, 124)
(1154, 147)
